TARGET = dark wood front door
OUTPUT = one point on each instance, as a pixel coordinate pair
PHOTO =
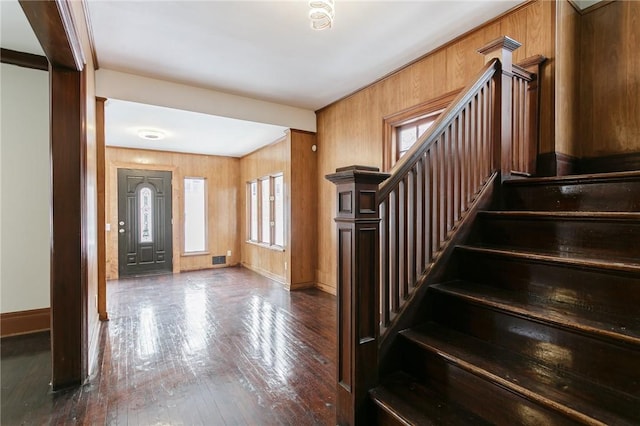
(144, 222)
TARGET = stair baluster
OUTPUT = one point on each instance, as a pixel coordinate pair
(427, 196)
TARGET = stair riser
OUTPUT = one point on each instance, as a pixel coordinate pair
(609, 239)
(618, 196)
(595, 290)
(485, 398)
(560, 349)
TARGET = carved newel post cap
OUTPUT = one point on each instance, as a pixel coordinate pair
(361, 174)
(504, 42)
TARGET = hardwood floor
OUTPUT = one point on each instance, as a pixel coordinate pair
(216, 347)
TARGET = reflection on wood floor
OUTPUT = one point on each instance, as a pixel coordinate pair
(216, 347)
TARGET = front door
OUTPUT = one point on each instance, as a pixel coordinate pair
(144, 222)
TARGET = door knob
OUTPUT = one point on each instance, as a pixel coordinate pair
(121, 231)
(121, 223)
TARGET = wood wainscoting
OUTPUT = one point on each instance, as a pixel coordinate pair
(25, 322)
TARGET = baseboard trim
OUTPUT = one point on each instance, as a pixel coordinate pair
(300, 286)
(25, 322)
(327, 289)
(556, 164)
(610, 163)
(265, 273)
(94, 338)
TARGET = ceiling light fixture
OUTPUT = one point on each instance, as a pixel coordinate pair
(151, 135)
(321, 14)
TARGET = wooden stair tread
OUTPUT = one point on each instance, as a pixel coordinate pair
(570, 395)
(594, 177)
(411, 403)
(598, 324)
(556, 258)
(566, 215)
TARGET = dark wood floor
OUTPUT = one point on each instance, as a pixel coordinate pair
(221, 347)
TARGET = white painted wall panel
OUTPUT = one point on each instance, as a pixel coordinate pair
(24, 189)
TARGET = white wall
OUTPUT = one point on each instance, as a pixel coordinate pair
(24, 189)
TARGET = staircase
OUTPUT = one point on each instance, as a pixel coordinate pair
(539, 322)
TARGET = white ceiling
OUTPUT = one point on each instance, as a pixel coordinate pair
(15, 33)
(266, 49)
(185, 131)
(259, 49)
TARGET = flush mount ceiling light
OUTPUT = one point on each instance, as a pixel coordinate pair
(151, 135)
(321, 14)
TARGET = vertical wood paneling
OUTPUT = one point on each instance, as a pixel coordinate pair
(223, 177)
(610, 80)
(350, 131)
(515, 26)
(303, 208)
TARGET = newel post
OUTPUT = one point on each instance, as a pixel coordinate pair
(502, 48)
(358, 224)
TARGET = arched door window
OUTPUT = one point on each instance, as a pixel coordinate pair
(145, 210)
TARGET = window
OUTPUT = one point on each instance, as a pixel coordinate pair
(403, 129)
(195, 217)
(253, 213)
(265, 210)
(408, 134)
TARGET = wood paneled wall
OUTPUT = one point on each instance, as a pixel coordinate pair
(350, 130)
(610, 80)
(223, 177)
(271, 159)
(294, 157)
(304, 209)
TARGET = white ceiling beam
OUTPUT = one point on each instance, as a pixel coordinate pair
(146, 90)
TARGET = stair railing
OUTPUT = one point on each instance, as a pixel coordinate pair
(526, 101)
(389, 235)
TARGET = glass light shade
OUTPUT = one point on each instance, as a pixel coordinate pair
(321, 14)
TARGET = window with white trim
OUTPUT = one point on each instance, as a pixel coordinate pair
(253, 210)
(195, 215)
(265, 211)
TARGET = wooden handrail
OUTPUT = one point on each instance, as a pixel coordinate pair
(404, 164)
(429, 193)
(390, 236)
